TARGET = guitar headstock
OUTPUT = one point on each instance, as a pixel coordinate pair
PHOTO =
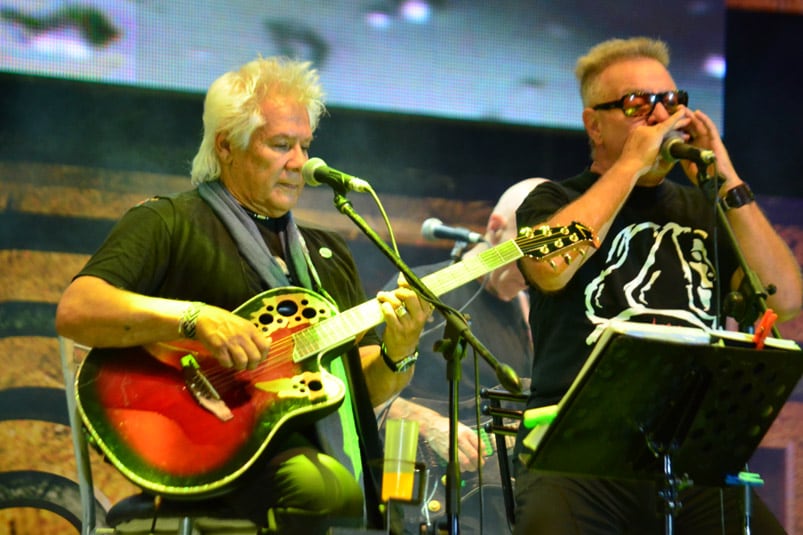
(545, 242)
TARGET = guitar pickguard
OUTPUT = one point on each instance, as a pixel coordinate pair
(285, 308)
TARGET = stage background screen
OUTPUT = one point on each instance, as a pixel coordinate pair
(508, 61)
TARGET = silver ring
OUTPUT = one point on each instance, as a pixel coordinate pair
(401, 312)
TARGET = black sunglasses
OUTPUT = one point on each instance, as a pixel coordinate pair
(642, 104)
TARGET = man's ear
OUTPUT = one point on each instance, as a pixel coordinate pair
(223, 147)
(495, 230)
(592, 126)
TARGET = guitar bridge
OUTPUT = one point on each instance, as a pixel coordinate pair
(202, 390)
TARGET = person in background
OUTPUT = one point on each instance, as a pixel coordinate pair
(175, 267)
(656, 264)
(496, 307)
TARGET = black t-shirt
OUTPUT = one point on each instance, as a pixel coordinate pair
(176, 247)
(657, 265)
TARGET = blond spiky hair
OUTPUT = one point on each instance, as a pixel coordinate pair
(233, 101)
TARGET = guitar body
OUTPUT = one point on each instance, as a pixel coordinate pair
(138, 405)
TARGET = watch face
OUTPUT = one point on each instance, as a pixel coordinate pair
(406, 364)
(402, 365)
(738, 196)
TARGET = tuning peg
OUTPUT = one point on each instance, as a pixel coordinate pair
(553, 264)
(567, 258)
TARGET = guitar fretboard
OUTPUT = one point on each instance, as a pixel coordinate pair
(334, 331)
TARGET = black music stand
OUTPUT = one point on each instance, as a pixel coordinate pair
(671, 404)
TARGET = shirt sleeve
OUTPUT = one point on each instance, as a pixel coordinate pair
(128, 258)
(541, 203)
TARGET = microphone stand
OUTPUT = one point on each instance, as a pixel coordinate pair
(457, 334)
(749, 302)
(746, 304)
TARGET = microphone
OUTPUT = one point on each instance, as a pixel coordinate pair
(433, 229)
(673, 149)
(316, 172)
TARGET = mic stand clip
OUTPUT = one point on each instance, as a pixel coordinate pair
(457, 250)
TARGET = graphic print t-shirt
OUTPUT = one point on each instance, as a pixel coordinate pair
(657, 265)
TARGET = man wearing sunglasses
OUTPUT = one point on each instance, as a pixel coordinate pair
(657, 262)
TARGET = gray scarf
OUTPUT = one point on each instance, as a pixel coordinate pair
(250, 243)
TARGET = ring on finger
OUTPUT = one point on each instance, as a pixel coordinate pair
(401, 312)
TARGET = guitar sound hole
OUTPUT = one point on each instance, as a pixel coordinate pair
(315, 386)
(265, 319)
(309, 313)
(287, 308)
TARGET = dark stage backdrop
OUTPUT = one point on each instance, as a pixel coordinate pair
(74, 155)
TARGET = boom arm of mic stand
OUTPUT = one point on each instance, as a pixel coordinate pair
(506, 375)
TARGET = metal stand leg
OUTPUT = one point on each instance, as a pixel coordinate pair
(185, 526)
(748, 480)
(748, 509)
(670, 495)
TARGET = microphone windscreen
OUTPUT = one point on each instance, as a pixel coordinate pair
(429, 226)
(309, 168)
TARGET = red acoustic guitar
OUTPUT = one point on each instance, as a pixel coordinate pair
(176, 423)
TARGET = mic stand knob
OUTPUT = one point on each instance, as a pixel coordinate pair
(458, 250)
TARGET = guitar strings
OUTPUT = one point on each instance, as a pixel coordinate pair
(227, 377)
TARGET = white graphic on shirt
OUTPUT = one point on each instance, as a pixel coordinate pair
(648, 264)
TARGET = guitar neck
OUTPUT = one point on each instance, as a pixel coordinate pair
(541, 243)
(455, 275)
(334, 331)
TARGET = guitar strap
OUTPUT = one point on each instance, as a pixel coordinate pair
(249, 241)
(368, 435)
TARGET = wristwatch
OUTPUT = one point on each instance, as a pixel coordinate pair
(737, 196)
(403, 365)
